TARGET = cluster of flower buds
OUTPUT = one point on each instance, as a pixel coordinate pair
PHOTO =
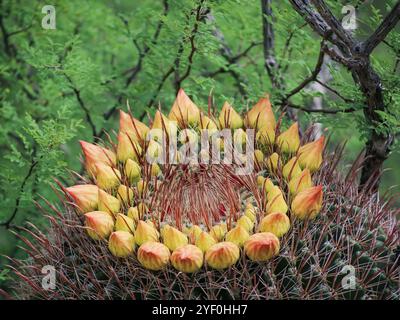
(117, 209)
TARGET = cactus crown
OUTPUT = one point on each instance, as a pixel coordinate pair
(163, 200)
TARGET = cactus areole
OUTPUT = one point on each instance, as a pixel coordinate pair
(194, 192)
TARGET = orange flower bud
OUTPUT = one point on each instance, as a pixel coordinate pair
(262, 246)
(289, 140)
(310, 155)
(96, 155)
(184, 111)
(205, 241)
(124, 223)
(307, 204)
(153, 255)
(99, 224)
(272, 162)
(277, 223)
(132, 171)
(125, 195)
(108, 203)
(291, 169)
(107, 178)
(187, 258)
(136, 129)
(145, 232)
(222, 255)
(266, 136)
(246, 223)
(301, 182)
(173, 238)
(237, 235)
(85, 196)
(229, 118)
(121, 244)
(127, 148)
(163, 123)
(261, 115)
(218, 231)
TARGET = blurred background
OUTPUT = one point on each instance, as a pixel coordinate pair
(66, 84)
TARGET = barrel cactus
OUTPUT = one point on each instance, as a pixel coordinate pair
(203, 206)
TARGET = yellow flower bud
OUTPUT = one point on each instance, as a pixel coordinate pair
(250, 212)
(268, 185)
(99, 224)
(222, 255)
(207, 124)
(272, 162)
(133, 213)
(153, 255)
(154, 149)
(260, 181)
(261, 115)
(124, 223)
(95, 155)
(173, 238)
(141, 187)
(127, 148)
(85, 196)
(184, 111)
(266, 136)
(136, 129)
(238, 235)
(142, 209)
(259, 157)
(132, 171)
(108, 203)
(246, 223)
(307, 204)
(229, 118)
(240, 136)
(155, 170)
(291, 169)
(277, 223)
(205, 241)
(273, 192)
(310, 155)
(125, 195)
(218, 231)
(289, 140)
(107, 178)
(301, 182)
(145, 232)
(262, 246)
(193, 233)
(121, 244)
(187, 258)
(276, 201)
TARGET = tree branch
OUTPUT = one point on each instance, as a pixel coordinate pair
(382, 31)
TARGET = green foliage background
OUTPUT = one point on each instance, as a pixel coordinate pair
(59, 86)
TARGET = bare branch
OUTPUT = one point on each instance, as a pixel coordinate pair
(311, 77)
(311, 110)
